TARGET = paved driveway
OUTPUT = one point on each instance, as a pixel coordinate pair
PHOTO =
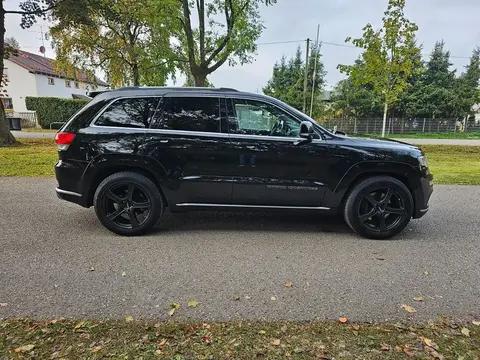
(48, 246)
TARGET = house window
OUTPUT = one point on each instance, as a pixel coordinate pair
(5, 74)
(7, 104)
(68, 83)
(77, 85)
(51, 81)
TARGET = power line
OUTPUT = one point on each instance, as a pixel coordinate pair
(346, 46)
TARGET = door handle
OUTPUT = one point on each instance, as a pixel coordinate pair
(164, 141)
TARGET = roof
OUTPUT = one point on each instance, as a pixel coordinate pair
(160, 90)
(38, 64)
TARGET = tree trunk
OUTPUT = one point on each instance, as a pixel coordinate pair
(385, 110)
(6, 137)
(199, 78)
(136, 75)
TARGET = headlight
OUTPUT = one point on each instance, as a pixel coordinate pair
(422, 161)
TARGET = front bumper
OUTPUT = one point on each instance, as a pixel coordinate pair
(422, 196)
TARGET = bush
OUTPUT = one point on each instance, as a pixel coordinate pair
(50, 109)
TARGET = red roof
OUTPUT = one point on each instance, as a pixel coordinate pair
(42, 65)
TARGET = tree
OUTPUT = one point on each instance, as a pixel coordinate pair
(390, 56)
(12, 43)
(128, 39)
(287, 81)
(30, 10)
(208, 47)
(467, 86)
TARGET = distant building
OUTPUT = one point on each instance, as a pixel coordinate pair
(29, 74)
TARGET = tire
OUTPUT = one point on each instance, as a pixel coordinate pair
(128, 203)
(375, 198)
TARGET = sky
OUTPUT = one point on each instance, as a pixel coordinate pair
(455, 21)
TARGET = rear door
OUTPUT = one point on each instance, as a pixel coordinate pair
(189, 143)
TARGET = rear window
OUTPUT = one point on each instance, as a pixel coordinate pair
(131, 112)
(192, 114)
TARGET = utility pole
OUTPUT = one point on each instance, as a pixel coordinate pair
(318, 46)
(305, 83)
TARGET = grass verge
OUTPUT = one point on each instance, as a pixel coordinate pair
(29, 157)
(445, 135)
(243, 340)
(40, 130)
(449, 164)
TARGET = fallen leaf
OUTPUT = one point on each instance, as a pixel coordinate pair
(466, 332)
(236, 298)
(96, 349)
(407, 350)
(275, 342)
(174, 306)
(385, 347)
(158, 352)
(273, 298)
(419, 298)
(161, 343)
(430, 343)
(25, 348)
(80, 325)
(124, 274)
(461, 358)
(356, 327)
(408, 308)
(129, 319)
(247, 297)
(343, 319)
(92, 268)
(288, 284)
(393, 282)
(193, 303)
(426, 273)
(262, 332)
(3, 304)
(398, 348)
(476, 322)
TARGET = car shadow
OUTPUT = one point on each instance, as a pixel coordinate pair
(251, 221)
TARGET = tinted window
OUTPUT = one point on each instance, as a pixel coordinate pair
(192, 114)
(135, 113)
(258, 118)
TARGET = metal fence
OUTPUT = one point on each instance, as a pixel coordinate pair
(28, 119)
(401, 126)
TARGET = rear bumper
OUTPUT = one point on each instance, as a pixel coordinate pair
(422, 197)
(71, 197)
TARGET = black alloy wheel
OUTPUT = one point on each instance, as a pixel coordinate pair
(128, 203)
(379, 207)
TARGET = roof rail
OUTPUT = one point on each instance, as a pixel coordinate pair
(186, 88)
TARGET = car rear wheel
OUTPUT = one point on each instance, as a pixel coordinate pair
(379, 207)
(128, 203)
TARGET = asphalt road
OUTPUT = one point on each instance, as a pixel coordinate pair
(47, 247)
(23, 134)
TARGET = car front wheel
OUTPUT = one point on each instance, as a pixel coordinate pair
(379, 207)
(128, 203)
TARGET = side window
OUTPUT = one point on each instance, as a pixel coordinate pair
(192, 114)
(134, 113)
(257, 118)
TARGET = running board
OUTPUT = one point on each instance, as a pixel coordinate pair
(253, 206)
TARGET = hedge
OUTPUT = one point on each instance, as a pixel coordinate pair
(50, 109)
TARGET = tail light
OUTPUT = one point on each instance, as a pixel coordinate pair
(63, 140)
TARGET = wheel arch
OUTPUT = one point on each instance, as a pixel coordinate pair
(103, 166)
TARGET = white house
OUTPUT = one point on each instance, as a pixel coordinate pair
(34, 75)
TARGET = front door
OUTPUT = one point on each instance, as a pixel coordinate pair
(190, 145)
(271, 168)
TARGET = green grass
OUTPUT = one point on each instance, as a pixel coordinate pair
(29, 157)
(454, 164)
(448, 164)
(444, 135)
(75, 339)
(39, 130)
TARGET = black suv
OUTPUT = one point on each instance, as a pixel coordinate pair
(133, 152)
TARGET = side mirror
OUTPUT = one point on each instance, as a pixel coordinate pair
(306, 130)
